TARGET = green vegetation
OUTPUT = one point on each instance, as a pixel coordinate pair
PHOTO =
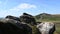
(44, 17)
(47, 18)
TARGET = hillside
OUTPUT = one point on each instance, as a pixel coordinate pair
(55, 18)
(47, 17)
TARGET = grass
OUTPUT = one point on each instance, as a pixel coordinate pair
(53, 20)
(50, 18)
(58, 27)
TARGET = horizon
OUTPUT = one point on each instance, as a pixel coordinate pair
(30, 14)
(33, 7)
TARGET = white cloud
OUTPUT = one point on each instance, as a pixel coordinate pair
(26, 6)
(23, 6)
(16, 11)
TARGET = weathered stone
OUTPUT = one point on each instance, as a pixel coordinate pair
(46, 28)
(27, 18)
(10, 26)
(12, 17)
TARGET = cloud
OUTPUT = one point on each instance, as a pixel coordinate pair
(23, 6)
(16, 11)
(26, 6)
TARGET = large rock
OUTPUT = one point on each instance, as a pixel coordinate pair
(46, 28)
(12, 17)
(10, 26)
(27, 18)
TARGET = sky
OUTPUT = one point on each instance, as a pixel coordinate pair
(33, 7)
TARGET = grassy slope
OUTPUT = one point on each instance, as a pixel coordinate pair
(50, 18)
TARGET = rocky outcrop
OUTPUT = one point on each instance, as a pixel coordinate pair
(10, 26)
(27, 18)
(13, 17)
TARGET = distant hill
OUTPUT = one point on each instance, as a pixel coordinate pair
(1, 18)
(42, 15)
(47, 17)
